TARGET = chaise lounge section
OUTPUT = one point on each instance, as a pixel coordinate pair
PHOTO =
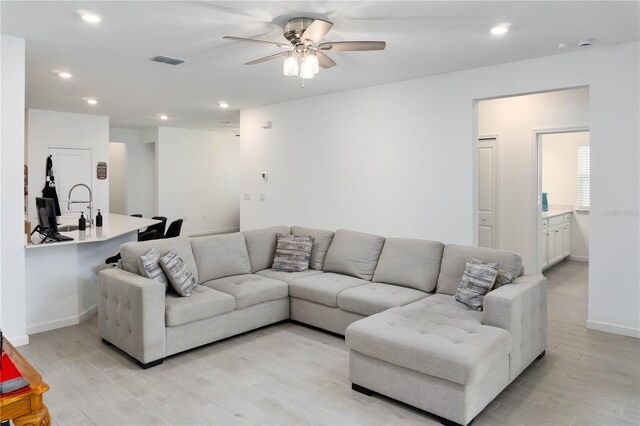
(392, 299)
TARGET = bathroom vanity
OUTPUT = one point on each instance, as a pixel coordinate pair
(61, 277)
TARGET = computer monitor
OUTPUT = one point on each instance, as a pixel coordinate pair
(46, 208)
(47, 224)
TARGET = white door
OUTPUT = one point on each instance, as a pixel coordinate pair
(72, 166)
(567, 239)
(544, 248)
(559, 241)
(487, 193)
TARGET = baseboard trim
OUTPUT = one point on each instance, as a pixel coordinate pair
(579, 258)
(88, 313)
(613, 328)
(60, 323)
(18, 340)
(216, 231)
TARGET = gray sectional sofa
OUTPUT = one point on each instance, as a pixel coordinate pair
(392, 299)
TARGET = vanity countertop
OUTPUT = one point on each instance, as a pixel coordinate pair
(113, 225)
(556, 211)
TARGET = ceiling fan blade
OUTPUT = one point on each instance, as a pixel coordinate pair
(352, 46)
(254, 40)
(316, 31)
(267, 58)
(324, 61)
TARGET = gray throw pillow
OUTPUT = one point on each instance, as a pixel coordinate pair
(293, 253)
(179, 275)
(149, 265)
(503, 278)
(478, 280)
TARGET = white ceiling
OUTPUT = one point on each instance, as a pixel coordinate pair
(110, 60)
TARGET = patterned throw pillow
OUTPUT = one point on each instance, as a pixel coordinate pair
(149, 265)
(503, 278)
(293, 253)
(179, 275)
(478, 280)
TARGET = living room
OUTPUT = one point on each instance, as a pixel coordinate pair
(384, 143)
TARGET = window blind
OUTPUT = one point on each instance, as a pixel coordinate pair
(584, 177)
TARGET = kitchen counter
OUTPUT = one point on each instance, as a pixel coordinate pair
(62, 277)
(113, 226)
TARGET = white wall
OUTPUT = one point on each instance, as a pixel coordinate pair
(400, 159)
(117, 178)
(12, 256)
(560, 180)
(47, 129)
(198, 179)
(514, 120)
(140, 170)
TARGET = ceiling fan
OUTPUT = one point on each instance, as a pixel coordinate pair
(304, 53)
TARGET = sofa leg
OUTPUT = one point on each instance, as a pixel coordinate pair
(106, 342)
(361, 389)
(448, 422)
(541, 355)
(150, 364)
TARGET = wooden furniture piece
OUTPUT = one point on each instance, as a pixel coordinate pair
(26, 408)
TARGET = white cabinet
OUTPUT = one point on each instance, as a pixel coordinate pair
(555, 243)
(544, 244)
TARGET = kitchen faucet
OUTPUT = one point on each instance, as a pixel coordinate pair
(69, 203)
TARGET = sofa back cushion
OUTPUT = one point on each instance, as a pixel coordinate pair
(131, 252)
(454, 260)
(410, 263)
(220, 256)
(261, 246)
(321, 242)
(353, 253)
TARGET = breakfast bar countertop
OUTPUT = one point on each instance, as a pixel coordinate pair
(113, 225)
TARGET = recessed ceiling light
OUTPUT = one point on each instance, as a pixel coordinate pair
(90, 17)
(163, 117)
(224, 105)
(65, 74)
(500, 29)
(562, 45)
(92, 101)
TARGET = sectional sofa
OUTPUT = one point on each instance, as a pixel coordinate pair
(392, 299)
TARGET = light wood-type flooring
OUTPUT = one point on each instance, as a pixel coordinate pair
(292, 374)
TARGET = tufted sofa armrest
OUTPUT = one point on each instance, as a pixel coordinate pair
(521, 309)
(131, 314)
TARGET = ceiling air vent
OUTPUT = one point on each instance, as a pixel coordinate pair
(167, 60)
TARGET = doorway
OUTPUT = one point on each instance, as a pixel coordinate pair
(564, 195)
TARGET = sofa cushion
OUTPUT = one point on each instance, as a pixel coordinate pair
(179, 275)
(131, 252)
(322, 240)
(370, 299)
(454, 260)
(421, 339)
(287, 277)
(220, 256)
(410, 263)
(261, 246)
(292, 253)
(203, 303)
(323, 288)
(249, 290)
(354, 253)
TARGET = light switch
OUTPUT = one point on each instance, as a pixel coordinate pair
(247, 195)
(265, 176)
(263, 196)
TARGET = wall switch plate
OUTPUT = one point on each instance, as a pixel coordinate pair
(263, 196)
(247, 195)
(264, 176)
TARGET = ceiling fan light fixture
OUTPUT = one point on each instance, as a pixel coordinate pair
(290, 65)
(314, 60)
(307, 68)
